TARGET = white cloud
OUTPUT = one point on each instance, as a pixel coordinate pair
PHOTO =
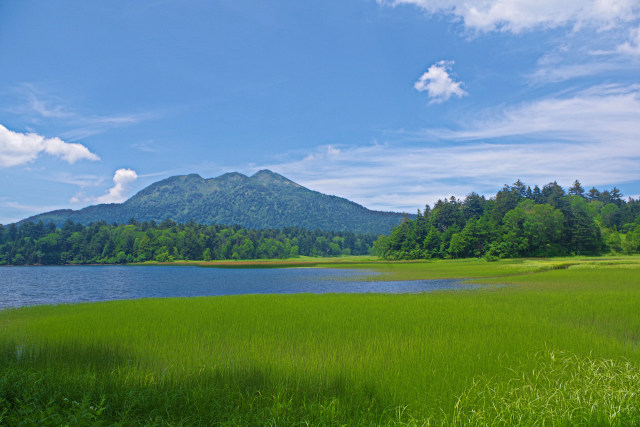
(520, 15)
(591, 136)
(83, 180)
(333, 151)
(562, 72)
(69, 152)
(41, 108)
(585, 29)
(122, 181)
(632, 46)
(600, 113)
(147, 147)
(438, 83)
(20, 148)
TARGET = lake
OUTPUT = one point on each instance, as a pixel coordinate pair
(21, 286)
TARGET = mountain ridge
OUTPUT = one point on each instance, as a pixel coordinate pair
(264, 200)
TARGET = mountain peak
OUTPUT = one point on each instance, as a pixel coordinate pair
(264, 172)
(231, 176)
(267, 176)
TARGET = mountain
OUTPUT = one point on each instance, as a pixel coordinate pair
(264, 200)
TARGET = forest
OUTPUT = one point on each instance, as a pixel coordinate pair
(102, 243)
(519, 222)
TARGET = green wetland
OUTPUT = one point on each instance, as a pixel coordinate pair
(554, 342)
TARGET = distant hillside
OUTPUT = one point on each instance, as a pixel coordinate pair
(264, 200)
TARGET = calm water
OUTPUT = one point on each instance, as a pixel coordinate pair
(21, 286)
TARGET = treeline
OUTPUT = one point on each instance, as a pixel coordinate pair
(102, 243)
(519, 222)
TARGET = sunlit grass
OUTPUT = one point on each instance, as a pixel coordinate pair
(527, 351)
(562, 389)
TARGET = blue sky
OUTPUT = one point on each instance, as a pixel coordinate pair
(392, 104)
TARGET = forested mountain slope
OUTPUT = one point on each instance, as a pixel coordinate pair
(265, 200)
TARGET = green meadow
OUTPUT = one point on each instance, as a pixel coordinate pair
(545, 342)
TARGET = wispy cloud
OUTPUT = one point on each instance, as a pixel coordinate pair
(520, 15)
(82, 180)
(13, 211)
(146, 147)
(41, 108)
(590, 54)
(438, 84)
(631, 46)
(563, 69)
(590, 135)
(600, 113)
(20, 148)
(36, 106)
(27, 208)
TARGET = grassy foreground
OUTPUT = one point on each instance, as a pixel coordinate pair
(558, 345)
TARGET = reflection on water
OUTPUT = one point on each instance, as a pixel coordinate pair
(21, 286)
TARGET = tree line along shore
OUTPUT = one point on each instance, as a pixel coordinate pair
(517, 222)
(102, 243)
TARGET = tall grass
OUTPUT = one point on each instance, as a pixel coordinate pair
(493, 355)
(563, 389)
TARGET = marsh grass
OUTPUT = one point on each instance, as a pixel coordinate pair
(458, 269)
(563, 389)
(551, 345)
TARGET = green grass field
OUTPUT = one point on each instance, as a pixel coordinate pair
(554, 342)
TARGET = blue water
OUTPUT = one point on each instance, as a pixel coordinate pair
(21, 286)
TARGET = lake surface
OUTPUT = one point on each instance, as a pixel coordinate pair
(20, 286)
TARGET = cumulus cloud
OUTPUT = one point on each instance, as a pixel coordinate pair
(520, 15)
(589, 135)
(438, 83)
(19, 148)
(122, 181)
